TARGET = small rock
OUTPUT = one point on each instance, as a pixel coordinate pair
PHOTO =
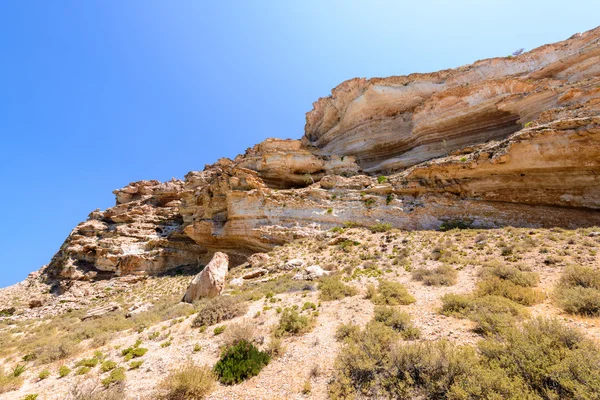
(255, 274)
(594, 234)
(236, 282)
(100, 311)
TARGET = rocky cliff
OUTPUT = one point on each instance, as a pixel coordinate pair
(505, 141)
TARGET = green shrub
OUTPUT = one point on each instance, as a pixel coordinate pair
(395, 319)
(579, 291)
(292, 323)
(64, 371)
(579, 300)
(444, 275)
(87, 362)
(392, 294)
(240, 362)
(83, 370)
(18, 370)
(381, 179)
(219, 329)
(510, 273)
(44, 374)
(108, 366)
(219, 309)
(190, 381)
(492, 314)
(554, 360)
(308, 305)
(345, 331)
(275, 347)
(117, 375)
(585, 277)
(495, 286)
(381, 227)
(31, 397)
(543, 360)
(333, 289)
(133, 352)
(9, 382)
(136, 364)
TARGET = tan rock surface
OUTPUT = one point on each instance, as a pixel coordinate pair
(505, 141)
(210, 282)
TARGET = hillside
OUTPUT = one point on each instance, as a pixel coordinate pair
(430, 236)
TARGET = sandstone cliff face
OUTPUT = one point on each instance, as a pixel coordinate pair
(507, 141)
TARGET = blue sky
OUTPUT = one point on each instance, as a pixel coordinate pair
(100, 93)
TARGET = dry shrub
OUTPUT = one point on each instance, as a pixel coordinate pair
(495, 286)
(542, 360)
(397, 320)
(237, 332)
(444, 275)
(293, 323)
(189, 382)
(9, 382)
(333, 289)
(579, 291)
(492, 314)
(392, 294)
(219, 309)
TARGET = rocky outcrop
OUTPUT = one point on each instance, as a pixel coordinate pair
(506, 141)
(211, 281)
(141, 234)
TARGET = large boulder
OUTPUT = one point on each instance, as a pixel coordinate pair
(210, 281)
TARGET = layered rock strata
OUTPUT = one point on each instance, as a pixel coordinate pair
(506, 141)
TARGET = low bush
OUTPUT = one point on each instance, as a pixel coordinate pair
(392, 294)
(579, 291)
(87, 362)
(219, 309)
(83, 370)
(394, 318)
(495, 286)
(275, 347)
(579, 300)
(9, 382)
(542, 360)
(444, 275)
(585, 277)
(510, 273)
(333, 289)
(492, 314)
(116, 376)
(189, 382)
(108, 366)
(293, 323)
(345, 331)
(235, 333)
(136, 364)
(64, 371)
(553, 360)
(240, 362)
(44, 374)
(381, 227)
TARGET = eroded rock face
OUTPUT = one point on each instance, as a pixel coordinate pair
(506, 141)
(394, 123)
(210, 282)
(141, 234)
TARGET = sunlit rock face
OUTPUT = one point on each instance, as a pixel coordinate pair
(394, 123)
(507, 141)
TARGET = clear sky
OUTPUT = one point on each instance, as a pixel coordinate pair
(99, 93)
